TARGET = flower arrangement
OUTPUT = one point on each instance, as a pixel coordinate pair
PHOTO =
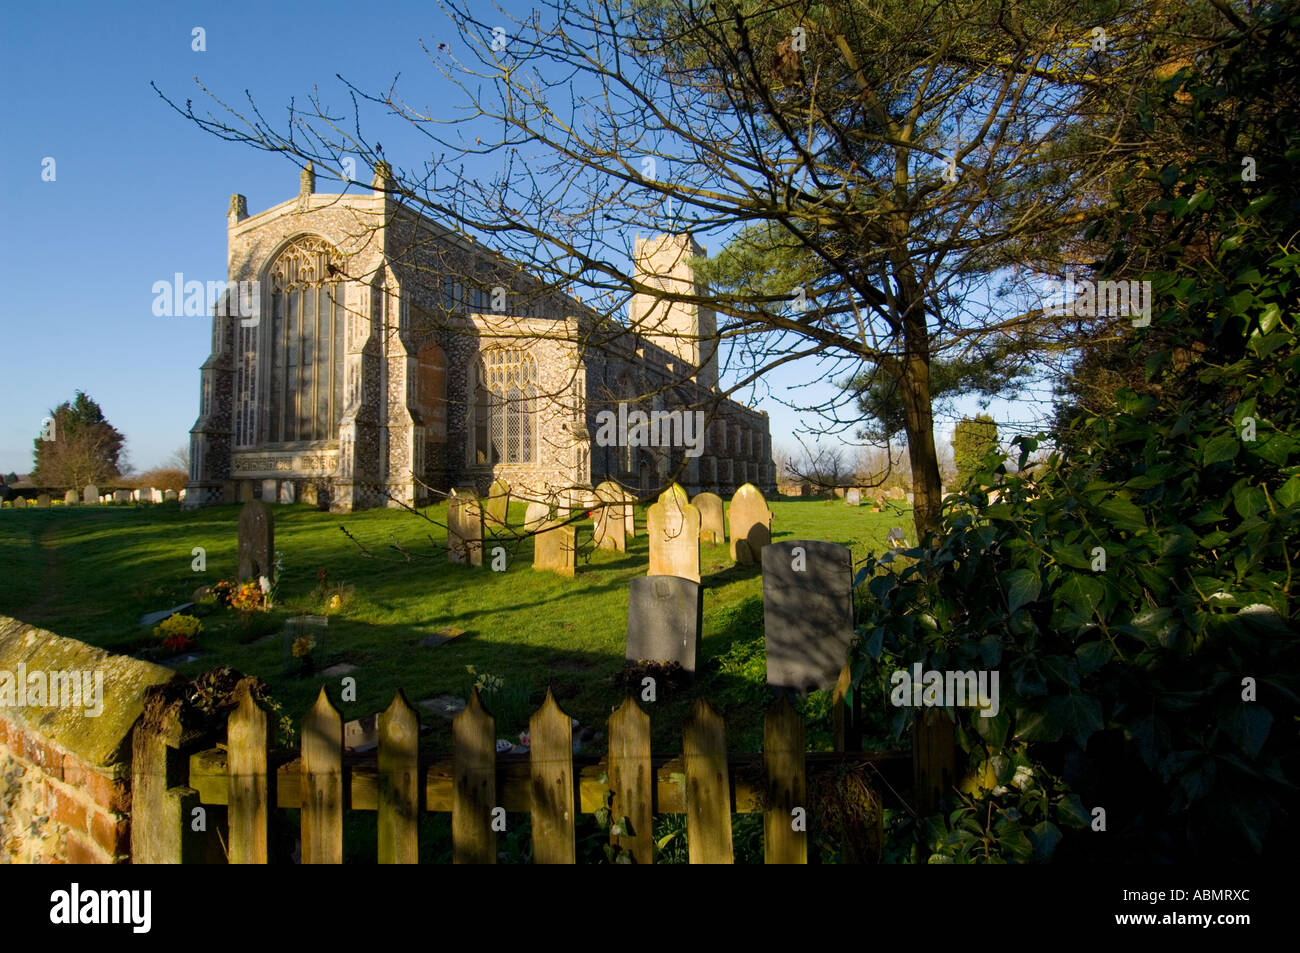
(302, 646)
(248, 597)
(178, 632)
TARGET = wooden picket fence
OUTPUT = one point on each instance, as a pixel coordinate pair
(474, 784)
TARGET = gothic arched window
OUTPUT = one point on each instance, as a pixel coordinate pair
(505, 408)
(305, 344)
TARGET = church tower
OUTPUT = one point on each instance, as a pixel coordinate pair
(685, 329)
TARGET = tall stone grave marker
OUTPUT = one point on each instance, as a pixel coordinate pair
(555, 549)
(90, 494)
(673, 527)
(711, 522)
(807, 612)
(256, 541)
(664, 615)
(751, 525)
(497, 505)
(465, 531)
(70, 498)
(611, 523)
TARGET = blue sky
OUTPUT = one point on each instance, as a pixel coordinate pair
(140, 194)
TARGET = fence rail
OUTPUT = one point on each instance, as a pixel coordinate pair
(475, 784)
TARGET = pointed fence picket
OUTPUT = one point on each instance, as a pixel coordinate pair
(478, 787)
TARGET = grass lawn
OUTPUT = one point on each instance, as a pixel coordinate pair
(90, 572)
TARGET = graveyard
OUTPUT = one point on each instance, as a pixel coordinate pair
(389, 592)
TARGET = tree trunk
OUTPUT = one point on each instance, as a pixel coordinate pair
(914, 386)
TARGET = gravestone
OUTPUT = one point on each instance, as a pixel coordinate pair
(70, 498)
(611, 523)
(245, 494)
(465, 531)
(269, 488)
(807, 612)
(170, 496)
(121, 496)
(853, 496)
(362, 734)
(287, 492)
(664, 617)
(555, 548)
(751, 525)
(152, 496)
(19, 503)
(712, 529)
(181, 495)
(536, 514)
(497, 506)
(90, 494)
(43, 499)
(673, 527)
(840, 492)
(256, 541)
(629, 514)
(310, 494)
(896, 538)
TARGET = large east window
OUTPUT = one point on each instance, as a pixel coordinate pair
(305, 344)
(505, 408)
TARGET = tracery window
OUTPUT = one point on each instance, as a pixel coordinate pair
(304, 344)
(505, 408)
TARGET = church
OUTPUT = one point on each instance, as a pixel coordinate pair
(364, 355)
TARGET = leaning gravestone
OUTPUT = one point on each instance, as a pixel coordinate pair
(611, 523)
(555, 548)
(43, 500)
(256, 541)
(90, 494)
(711, 523)
(853, 496)
(751, 525)
(673, 527)
(70, 498)
(536, 514)
(807, 612)
(497, 505)
(664, 616)
(465, 531)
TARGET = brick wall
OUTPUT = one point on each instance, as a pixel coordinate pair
(64, 774)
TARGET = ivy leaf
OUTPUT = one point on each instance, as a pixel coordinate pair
(1022, 586)
(1077, 714)
(1045, 836)
(1248, 726)
(1288, 493)
(1124, 514)
(1219, 450)
(1037, 726)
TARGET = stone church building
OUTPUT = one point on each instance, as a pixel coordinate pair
(364, 354)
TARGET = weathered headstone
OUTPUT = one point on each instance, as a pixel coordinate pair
(555, 548)
(90, 494)
(840, 492)
(673, 528)
(362, 734)
(70, 498)
(536, 514)
(629, 514)
(896, 538)
(712, 529)
(496, 507)
(269, 490)
(19, 503)
(181, 496)
(170, 496)
(611, 523)
(310, 494)
(256, 541)
(853, 496)
(807, 612)
(664, 615)
(287, 492)
(465, 531)
(121, 496)
(751, 525)
(245, 494)
(43, 500)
